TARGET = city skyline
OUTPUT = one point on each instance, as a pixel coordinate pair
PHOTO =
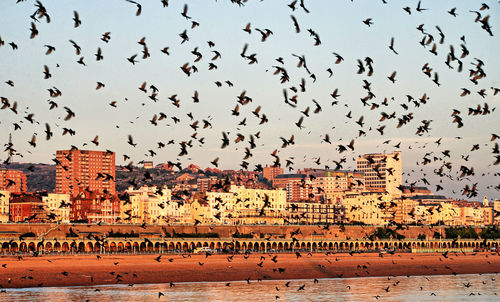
(188, 150)
(162, 26)
(108, 175)
(373, 194)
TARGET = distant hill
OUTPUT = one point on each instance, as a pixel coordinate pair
(140, 176)
(39, 176)
(43, 176)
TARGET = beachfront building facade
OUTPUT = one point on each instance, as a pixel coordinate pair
(332, 181)
(382, 172)
(4, 206)
(221, 206)
(200, 211)
(476, 216)
(26, 207)
(240, 205)
(368, 208)
(310, 212)
(93, 207)
(437, 213)
(259, 206)
(299, 190)
(152, 205)
(404, 211)
(58, 206)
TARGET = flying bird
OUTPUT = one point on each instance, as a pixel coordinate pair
(139, 7)
(76, 18)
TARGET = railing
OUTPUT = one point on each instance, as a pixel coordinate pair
(241, 251)
(231, 239)
(117, 245)
(444, 250)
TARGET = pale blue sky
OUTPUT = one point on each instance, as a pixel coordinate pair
(339, 25)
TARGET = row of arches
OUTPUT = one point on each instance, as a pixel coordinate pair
(165, 246)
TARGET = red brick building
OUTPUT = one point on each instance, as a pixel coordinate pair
(281, 181)
(80, 170)
(26, 207)
(270, 173)
(13, 181)
(94, 207)
(298, 190)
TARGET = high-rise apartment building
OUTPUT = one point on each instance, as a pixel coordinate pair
(383, 172)
(13, 181)
(79, 170)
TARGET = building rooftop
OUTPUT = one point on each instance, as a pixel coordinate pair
(291, 176)
(434, 197)
(379, 154)
(25, 198)
(415, 188)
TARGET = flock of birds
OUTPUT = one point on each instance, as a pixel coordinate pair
(457, 57)
(457, 169)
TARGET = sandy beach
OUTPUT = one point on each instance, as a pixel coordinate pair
(135, 269)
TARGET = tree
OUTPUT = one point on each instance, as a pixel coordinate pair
(490, 233)
(463, 232)
(385, 233)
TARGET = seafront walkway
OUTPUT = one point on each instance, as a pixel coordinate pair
(93, 244)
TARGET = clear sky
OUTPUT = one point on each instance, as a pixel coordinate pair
(340, 29)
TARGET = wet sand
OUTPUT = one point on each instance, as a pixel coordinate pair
(135, 269)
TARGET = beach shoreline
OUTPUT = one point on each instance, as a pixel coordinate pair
(88, 270)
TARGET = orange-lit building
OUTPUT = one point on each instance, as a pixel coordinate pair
(13, 181)
(80, 170)
(299, 190)
(205, 184)
(4, 206)
(332, 181)
(270, 173)
(282, 180)
(27, 207)
(148, 165)
(382, 172)
(93, 207)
